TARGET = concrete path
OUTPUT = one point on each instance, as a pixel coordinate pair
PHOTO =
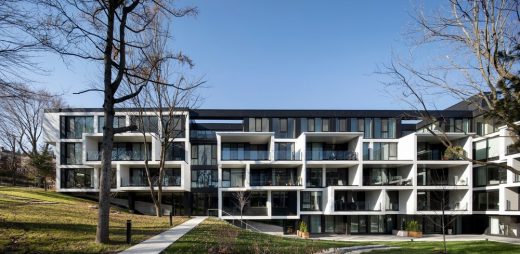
(158, 243)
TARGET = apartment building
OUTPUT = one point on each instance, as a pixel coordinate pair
(341, 171)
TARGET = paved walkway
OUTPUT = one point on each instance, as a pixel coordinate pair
(158, 243)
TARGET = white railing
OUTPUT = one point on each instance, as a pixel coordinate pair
(242, 222)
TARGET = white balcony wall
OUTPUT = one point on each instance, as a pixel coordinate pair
(406, 147)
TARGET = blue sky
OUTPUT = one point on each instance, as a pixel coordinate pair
(276, 54)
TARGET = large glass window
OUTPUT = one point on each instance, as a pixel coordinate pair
(314, 177)
(259, 124)
(203, 154)
(119, 121)
(380, 151)
(77, 178)
(284, 203)
(336, 176)
(173, 127)
(233, 177)
(341, 125)
(275, 177)
(73, 127)
(284, 127)
(244, 151)
(175, 152)
(204, 178)
(489, 175)
(139, 178)
(485, 200)
(71, 153)
(145, 123)
(125, 151)
(487, 149)
(285, 151)
(311, 201)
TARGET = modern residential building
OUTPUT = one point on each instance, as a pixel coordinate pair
(341, 171)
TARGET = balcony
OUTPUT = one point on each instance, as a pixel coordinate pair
(287, 156)
(331, 155)
(172, 178)
(118, 156)
(437, 155)
(356, 201)
(512, 149)
(275, 177)
(449, 206)
(203, 134)
(387, 181)
(386, 176)
(244, 151)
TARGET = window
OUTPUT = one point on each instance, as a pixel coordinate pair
(73, 127)
(244, 151)
(285, 151)
(489, 175)
(284, 127)
(380, 151)
(204, 178)
(368, 128)
(72, 178)
(485, 200)
(71, 153)
(310, 124)
(119, 121)
(314, 177)
(233, 178)
(129, 151)
(175, 152)
(258, 199)
(325, 124)
(336, 176)
(145, 123)
(204, 154)
(259, 124)
(342, 125)
(311, 200)
(173, 127)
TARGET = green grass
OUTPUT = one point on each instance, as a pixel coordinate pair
(216, 236)
(476, 247)
(35, 221)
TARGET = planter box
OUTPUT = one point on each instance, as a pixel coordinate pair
(305, 235)
(415, 234)
(400, 232)
(298, 233)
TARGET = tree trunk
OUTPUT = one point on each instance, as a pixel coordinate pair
(102, 229)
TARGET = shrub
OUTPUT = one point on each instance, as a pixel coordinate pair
(303, 227)
(412, 226)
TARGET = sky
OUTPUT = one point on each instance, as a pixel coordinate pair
(275, 54)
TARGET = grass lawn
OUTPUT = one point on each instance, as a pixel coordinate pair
(477, 247)
(216, 236)
(35, 221)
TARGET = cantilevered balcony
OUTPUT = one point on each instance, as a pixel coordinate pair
(275, 177)
(356, 201)
(386, 176)
(137, 178)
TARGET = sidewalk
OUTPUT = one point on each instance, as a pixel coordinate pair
(158, 243)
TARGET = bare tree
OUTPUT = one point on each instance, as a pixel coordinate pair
(168, 104)
(17, 49)
(241, 199)
(479, 49)
(439, 202)
(108, 33)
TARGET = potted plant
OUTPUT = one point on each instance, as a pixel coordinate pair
(304, 231)
(413, 229)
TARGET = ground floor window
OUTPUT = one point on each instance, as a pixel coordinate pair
(72, 178)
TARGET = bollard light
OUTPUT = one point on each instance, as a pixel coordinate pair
(129, 231)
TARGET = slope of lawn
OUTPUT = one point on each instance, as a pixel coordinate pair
(217, 236)
(35, 221)
(476, 247)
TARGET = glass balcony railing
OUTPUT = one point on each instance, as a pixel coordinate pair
(452, 206)
(118, 156)
(332, 156)
(436, 155)
(512, 149)
(389, 180)
(287, 156)
(203, 134)
(139, 181)
(252, 155)
(340, 205)
(392, 206)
